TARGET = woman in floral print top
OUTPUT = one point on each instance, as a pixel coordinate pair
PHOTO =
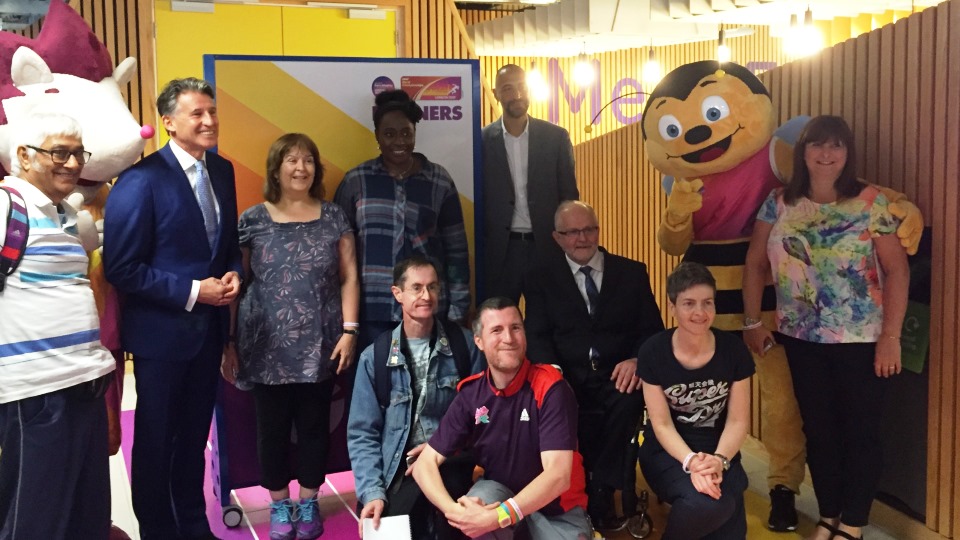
(293, 326)
(841, 279)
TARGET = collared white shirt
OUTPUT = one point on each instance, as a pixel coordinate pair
(518, 153)
(188, 164)
(596, 272)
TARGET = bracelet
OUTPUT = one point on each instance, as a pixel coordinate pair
(516, 507)
(724, 461)
(507, 515)
(504, 519)
(888, 336)
(752, 325)
(686, 462)
(351, 331)
(351, 325)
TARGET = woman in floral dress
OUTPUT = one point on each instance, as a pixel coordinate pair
(841, 280)
(296, 326)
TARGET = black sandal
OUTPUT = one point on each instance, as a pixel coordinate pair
(837, 533)
(833, 530)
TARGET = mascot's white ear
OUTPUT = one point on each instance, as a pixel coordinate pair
(28, 68)
(125, 71)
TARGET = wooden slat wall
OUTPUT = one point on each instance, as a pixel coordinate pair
(897, 87)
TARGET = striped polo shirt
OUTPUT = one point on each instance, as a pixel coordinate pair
(49, 328)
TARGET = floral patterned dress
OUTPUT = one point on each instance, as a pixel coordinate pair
(290, 318)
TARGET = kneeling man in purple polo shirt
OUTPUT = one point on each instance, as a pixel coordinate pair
(519, 420)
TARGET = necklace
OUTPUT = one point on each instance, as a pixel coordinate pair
(401, 175)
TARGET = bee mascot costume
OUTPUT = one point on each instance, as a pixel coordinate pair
(713, 130)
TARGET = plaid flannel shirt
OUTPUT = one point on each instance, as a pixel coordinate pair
(396, 219)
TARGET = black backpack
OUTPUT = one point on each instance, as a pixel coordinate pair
(381, 349)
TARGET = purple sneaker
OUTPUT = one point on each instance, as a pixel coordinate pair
(309, 520)
(281, 520)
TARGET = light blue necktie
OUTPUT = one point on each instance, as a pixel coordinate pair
(207, 204)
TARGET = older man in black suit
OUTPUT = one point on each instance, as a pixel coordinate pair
(589, 312)
(527, 171)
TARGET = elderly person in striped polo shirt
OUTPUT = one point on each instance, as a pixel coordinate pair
(53, 369)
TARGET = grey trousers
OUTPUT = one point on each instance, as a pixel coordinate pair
(571, 525)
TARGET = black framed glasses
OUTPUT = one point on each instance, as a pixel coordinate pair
(586, 231)
(61, 156)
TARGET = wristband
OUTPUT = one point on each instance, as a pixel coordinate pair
(351, 331)
(351, 325)
(516, 508)
(504, 519)
(686, 462)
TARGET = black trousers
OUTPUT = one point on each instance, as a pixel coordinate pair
(694, 515)
(841, 401)
(54, 470)
(426, 522)
(519, 259)
(281, 407)
(608, 422)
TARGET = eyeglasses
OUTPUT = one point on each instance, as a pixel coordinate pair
(61, 156)
(586, 232)
(417, 289)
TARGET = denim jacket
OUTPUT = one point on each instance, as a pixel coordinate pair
(377, 438)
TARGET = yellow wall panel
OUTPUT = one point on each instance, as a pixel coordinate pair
(184, 37)
(329, 32)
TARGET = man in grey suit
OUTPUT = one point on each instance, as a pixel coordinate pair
(527, 171)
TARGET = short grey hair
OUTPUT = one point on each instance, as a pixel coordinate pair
(567, 205)
(167, 100)
(35, 129)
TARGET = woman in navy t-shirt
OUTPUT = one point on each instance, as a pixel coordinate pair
(696, 383)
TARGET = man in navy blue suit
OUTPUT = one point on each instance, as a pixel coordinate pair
(170, 246)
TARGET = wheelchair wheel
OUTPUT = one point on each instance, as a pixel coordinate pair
(640, 525)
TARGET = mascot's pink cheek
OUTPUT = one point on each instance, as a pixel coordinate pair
(146, 132)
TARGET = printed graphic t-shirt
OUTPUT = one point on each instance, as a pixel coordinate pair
(697, 397)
